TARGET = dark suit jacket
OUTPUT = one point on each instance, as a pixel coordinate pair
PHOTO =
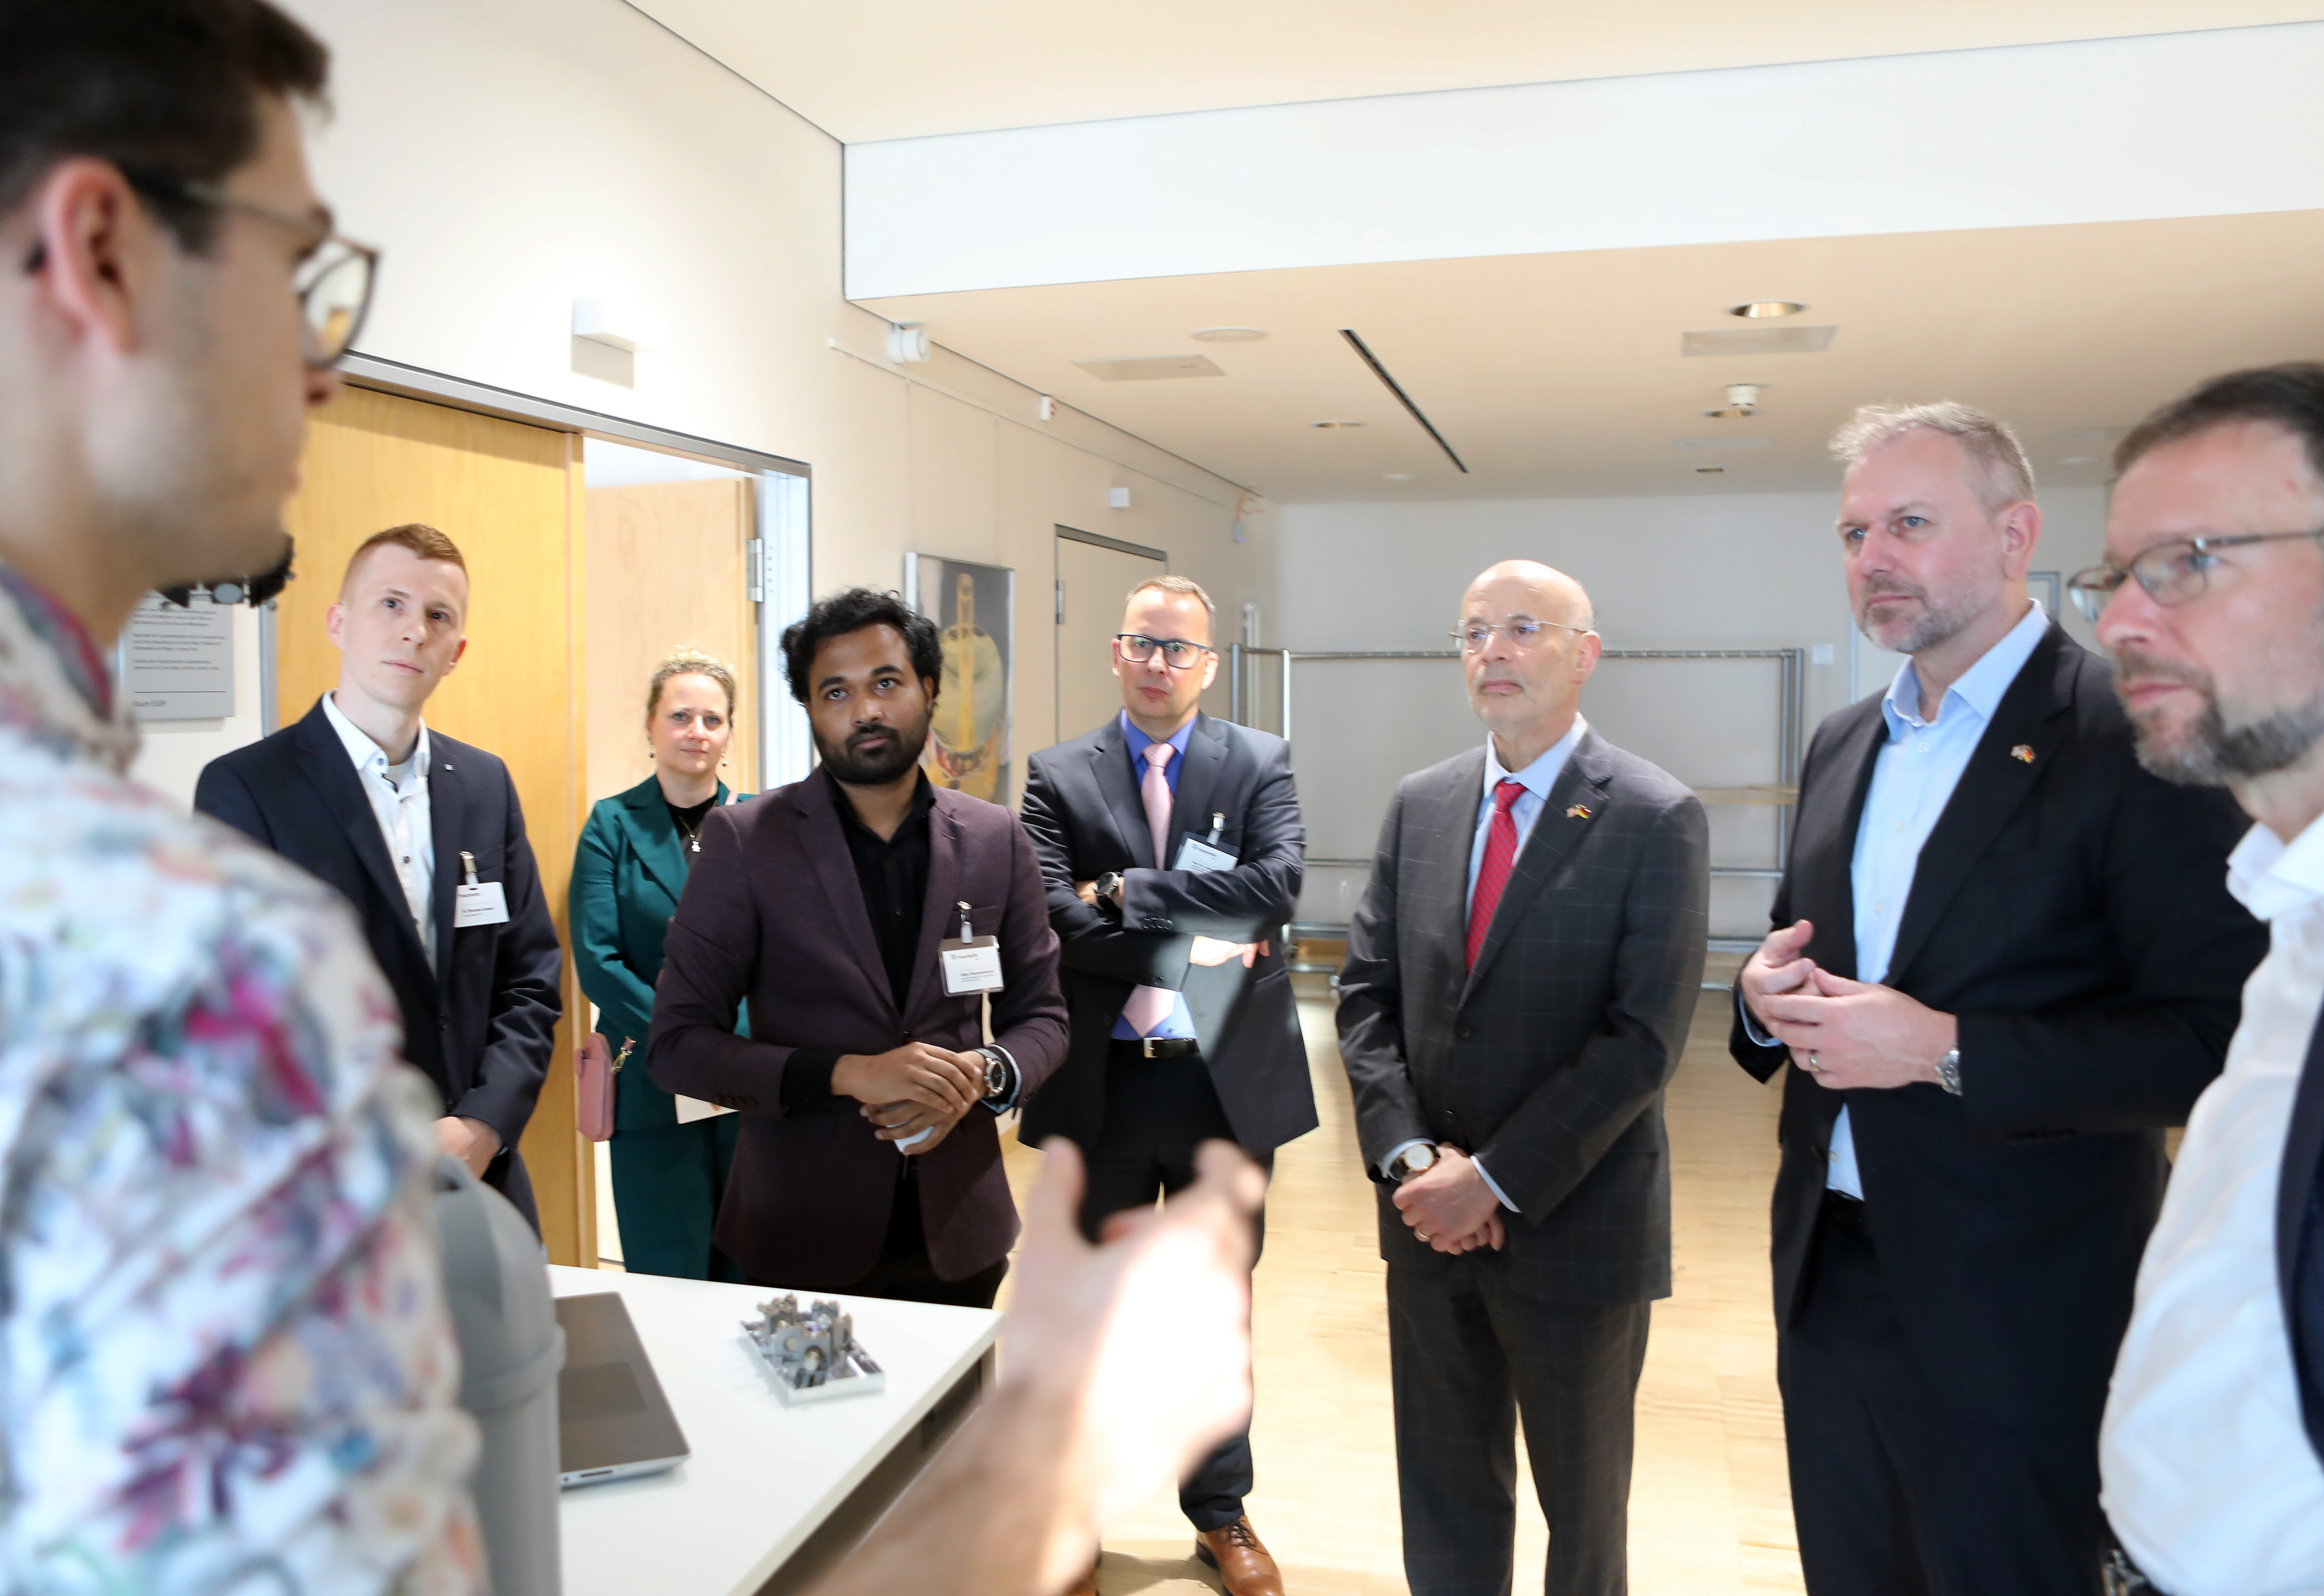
(628, 869)
(1548, 1060)
(773, 913)
(2300, 1238)
(482, 1022)
(2073, 912)
(1085, 817)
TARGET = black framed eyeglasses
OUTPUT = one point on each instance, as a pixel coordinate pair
(1176, 651)
(2169, 573)
(334, 282)
(1478, 635)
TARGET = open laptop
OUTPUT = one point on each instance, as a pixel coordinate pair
(613, 1420)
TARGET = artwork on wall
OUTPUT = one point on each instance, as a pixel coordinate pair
(974, 607)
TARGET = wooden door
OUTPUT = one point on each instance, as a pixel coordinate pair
(1094, 585)
(665, 571)
(509, 495)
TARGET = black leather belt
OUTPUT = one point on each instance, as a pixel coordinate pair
(1844, 1212)
(1156, 1047)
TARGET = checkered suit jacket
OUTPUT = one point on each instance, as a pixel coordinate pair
(1548, 1060)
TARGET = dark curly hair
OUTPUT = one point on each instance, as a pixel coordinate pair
(851, 610)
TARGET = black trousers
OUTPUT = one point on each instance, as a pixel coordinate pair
(1468, 1359)
(1158, 1111)
(903, 1272)
(1897, 1493)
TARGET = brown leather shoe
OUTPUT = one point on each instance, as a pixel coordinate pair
(1244, 1567)
(1086, 1585)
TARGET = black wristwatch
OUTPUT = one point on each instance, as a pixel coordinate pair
(996, 1071)
(1106, 886)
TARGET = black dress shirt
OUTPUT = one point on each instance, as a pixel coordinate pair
(893, 873)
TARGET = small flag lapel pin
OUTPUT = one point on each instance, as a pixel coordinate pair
(2023, 753)
(1579, 812)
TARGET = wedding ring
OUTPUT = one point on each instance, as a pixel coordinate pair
(1422, 1234)
(1813, 1067)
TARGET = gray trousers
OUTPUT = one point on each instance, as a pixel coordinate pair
(1468, 1359)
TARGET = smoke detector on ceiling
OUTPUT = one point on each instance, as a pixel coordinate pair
(1742, 401)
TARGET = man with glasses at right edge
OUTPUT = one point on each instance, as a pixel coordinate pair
(2003, 960)
(2212, 601)
(1172, 851)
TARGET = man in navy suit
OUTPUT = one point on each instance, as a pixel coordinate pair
(2210, 598)
(424, 836)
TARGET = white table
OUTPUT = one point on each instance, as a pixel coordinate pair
(763, 1478)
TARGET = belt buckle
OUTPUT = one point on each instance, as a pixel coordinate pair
(1145, 1046)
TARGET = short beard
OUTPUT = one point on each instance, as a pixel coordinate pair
(860, 768)
(1936, 622)
(2214, 754)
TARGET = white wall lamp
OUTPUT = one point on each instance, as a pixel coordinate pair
(620, 324)
(907, 343)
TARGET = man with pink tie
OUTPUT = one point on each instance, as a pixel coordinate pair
(1171, 847)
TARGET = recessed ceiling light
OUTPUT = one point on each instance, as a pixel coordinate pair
(1710, 470)
(1765, 309)
(1401, 477)
(1228, 335)
(1335, 425)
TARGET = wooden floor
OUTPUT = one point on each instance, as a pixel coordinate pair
(1710, 1506)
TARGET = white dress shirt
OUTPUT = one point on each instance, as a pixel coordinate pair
(1536, 779)
(2210, 1481)
(398, 799)
(1913, 779)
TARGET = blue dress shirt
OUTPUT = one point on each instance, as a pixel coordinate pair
(1913, 779)
(1181, 1022)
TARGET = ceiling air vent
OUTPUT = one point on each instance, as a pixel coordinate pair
(1757, 340)
(1151, 368)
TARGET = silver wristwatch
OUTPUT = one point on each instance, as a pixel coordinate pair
(996, 1071)
(1948, 1072)
(1414, 1160)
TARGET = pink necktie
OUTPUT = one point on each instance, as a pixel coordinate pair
(1149, 1006)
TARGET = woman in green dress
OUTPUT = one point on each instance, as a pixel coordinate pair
(627, 875)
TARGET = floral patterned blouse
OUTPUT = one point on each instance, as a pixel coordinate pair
(226, 1364)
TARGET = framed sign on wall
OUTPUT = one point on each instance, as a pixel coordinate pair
(974, 606)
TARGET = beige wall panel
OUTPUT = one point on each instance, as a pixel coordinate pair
(504, 492)
(664, 570)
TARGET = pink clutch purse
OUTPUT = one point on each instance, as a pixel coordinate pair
(594, 1085)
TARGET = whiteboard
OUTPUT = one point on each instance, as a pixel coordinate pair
(1360, 725)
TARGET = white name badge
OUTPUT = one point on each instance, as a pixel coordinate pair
(970, 966)
(1201, 858)
(484, 904)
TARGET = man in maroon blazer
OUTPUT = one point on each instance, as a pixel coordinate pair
(869, 1161)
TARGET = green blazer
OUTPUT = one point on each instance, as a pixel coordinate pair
(628, 873)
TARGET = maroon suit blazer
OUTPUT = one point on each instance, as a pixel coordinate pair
(773, 913)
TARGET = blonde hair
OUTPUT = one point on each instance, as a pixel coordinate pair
(2005, 475)
(1181, 585)
(689, 663)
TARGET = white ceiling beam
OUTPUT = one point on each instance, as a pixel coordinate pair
(2217, 122)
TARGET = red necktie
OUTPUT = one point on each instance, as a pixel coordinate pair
(1493, 874)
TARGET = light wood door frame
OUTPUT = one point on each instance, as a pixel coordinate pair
(563, 1163)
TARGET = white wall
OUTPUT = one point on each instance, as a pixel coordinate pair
(511, 156)
(172, 753)
(2106, 130)
(1741, 571)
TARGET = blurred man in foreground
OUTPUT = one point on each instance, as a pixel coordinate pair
(223, 1342)
(2212, 600)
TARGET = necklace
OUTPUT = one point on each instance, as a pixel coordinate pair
(691, 833)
